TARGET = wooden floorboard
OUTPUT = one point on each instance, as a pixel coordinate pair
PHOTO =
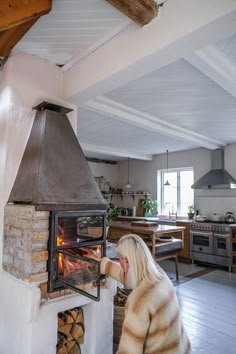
(207, 299)
(208, 309)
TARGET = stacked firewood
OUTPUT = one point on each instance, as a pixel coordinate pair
(121, 297)
(119, 313)
(70, 331)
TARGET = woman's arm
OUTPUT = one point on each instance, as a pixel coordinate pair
(113, 269)
(108, 267)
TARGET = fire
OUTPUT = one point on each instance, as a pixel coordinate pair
(60, 242)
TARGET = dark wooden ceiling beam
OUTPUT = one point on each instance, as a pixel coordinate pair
(16, 12)
(10, 37)
(140, 11)
(16, 18)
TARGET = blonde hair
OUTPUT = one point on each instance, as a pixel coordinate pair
(141, 262)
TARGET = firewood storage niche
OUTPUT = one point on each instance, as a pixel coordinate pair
(72, 235)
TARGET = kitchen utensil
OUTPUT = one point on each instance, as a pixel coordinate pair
(201, 218)
(215, 217)
(229, 217)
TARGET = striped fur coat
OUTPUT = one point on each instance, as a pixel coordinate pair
(152, 323)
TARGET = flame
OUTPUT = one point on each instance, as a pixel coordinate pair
(60, 242)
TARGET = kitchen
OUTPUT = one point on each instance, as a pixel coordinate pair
(26, 80)
(223, 199)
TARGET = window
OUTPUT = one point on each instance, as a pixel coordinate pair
(178, 196)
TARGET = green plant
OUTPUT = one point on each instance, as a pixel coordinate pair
(113, 212)
(150, 204)
(191, 208)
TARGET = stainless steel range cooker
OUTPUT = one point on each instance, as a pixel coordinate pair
(210, 243)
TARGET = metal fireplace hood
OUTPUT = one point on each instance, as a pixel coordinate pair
(217, 177)
(54, 173)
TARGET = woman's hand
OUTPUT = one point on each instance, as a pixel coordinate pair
(92, 254)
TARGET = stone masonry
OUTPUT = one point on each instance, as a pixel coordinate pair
(25, 243)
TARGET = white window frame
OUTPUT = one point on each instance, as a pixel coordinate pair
(161, 188)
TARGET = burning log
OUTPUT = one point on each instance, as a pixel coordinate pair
(70, 331)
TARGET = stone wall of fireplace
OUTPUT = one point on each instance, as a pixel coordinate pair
(25, 243)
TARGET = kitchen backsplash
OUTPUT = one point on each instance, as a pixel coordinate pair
(208, 205)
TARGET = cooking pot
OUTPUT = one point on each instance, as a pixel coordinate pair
(229, 217)
(201, 218)
(215, 217)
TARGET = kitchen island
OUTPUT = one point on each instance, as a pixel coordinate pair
(151, 234)
(184, 254)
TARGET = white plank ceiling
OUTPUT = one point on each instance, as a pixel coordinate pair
(180, 94)
(188, 104)
(228, 47)
(72, 30)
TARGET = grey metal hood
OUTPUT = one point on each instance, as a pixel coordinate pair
(217, 177)
(54, 173)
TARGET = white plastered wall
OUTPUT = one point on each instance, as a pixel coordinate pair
(25, 326)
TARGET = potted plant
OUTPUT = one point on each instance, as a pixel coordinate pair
(150, 205)
(113, 212)
(190, 211)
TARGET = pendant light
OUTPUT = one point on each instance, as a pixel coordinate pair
(128, 185)
(167, 183)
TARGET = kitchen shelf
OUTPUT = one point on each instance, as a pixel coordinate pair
(133, 195)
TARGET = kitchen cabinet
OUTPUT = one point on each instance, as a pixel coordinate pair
(233, 248)
(184, 255)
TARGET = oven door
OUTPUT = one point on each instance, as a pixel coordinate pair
(221, 244)
(201, 241)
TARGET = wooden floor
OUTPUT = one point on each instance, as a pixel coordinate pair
(208, 308)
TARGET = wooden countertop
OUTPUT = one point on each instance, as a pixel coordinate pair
(148, 230)
(153, 218)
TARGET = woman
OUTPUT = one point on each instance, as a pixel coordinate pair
(152, 321)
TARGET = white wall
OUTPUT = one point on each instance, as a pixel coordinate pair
(108, 171)
(143, 176)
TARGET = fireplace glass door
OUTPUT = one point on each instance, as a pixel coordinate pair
(79, 273)
(75, 236)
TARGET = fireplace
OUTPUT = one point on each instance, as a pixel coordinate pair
(72, 236)
(54, 177)
(54, 195)
(26, 261)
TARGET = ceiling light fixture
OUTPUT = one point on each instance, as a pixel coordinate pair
(128, 185)
(167, 183)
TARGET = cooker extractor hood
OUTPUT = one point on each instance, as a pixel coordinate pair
(217, 177)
